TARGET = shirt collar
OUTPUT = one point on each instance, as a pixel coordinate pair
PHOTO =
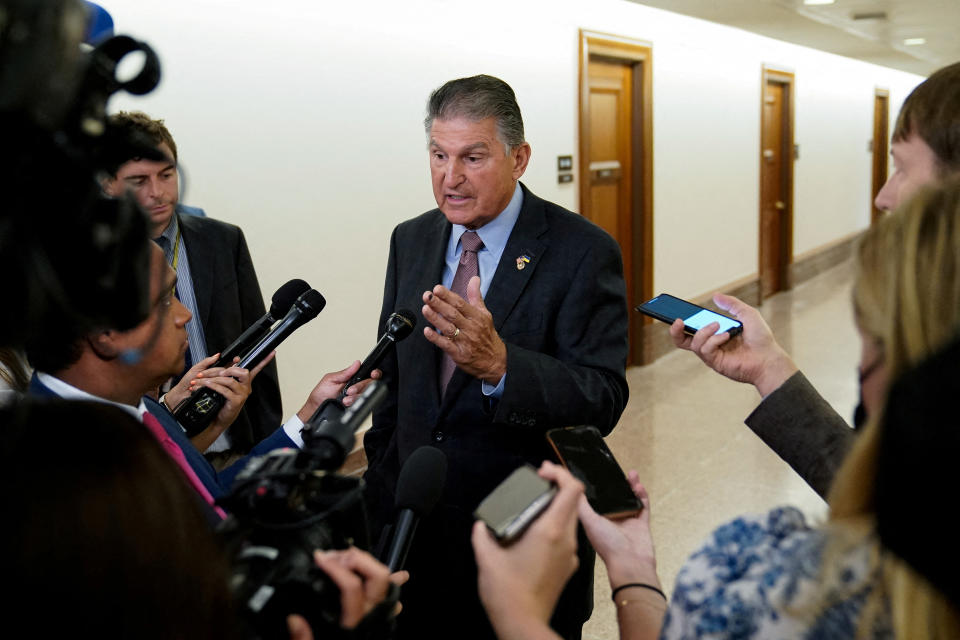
(170, 233)
(70, 392)
(496, 232)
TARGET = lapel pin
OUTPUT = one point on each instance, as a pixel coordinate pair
(522, 262)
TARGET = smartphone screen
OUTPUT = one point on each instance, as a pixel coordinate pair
(668, 308)
(584, 453)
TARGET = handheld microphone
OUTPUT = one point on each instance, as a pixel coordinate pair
(282, 301)
(419, 488)
(398, 326)
(201, 407)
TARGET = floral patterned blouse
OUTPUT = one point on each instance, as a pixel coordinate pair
(761, 577)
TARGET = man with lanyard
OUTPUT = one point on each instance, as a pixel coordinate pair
(216, 280)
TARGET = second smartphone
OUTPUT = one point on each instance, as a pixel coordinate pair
(668, 308)
(586, 456)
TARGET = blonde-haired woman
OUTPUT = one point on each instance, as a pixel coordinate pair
(774, 575)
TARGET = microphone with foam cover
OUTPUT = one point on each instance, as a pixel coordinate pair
(280, 305)
(198, 410)
(419, 488)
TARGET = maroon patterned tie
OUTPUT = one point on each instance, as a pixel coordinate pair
(469, 266)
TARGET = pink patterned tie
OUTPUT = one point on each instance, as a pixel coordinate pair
(469, 266)
(175, 452)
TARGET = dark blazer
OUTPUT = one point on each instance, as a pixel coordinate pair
(563, 318)
(803, 429)
(217, 483)
(228, 301)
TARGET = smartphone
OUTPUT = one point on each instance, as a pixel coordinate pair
(515, 503)
(668, 308)
(584, 453)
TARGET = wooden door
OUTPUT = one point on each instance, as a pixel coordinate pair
(616, 160)
(776, 192)
(609, 160)
(879, 147)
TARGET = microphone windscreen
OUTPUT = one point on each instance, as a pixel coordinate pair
(421, 480)
(285, 296)
(311, 303)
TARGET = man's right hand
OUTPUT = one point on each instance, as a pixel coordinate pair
(754, 356)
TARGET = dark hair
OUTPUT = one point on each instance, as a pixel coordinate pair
(138, 121)
(477, 98)
(932, 111)
(101, 532)
(56, 349)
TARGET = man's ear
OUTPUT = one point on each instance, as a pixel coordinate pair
(521, 156)
(104, 344)
(108, 184)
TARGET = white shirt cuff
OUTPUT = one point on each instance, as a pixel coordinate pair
(292, 428)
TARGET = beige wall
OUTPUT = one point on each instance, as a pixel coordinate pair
(301, 122)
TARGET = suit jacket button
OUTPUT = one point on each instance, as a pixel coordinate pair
(438, 436)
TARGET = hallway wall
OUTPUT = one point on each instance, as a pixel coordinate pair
(301, 122)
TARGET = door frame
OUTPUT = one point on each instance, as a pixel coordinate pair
(879, 178)
(773, 74)
(638, 54)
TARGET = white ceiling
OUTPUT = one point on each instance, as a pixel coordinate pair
(870, 30)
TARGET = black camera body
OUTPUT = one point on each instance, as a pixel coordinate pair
(288, 503)
(283, 508)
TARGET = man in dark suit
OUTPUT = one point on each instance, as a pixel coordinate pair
(529, 332)
(216, 279)
(120, 367)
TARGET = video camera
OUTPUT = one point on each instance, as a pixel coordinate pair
(72, 259)
(288, 503)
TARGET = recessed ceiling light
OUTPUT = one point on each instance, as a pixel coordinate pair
(818, 1)
(910, 42)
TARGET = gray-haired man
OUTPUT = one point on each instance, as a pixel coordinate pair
(526, 316)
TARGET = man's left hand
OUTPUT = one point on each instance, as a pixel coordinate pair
(465, 331)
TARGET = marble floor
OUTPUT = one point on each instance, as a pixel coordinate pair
(683, 431)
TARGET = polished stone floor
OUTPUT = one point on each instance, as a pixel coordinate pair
(683, 432)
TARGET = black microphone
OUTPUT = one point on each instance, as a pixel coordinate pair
(419, 488)
(398, 326)
(201, 407)
(282, 301)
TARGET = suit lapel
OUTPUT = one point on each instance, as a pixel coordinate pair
(509, 282)
(429, 265)
(201, 270)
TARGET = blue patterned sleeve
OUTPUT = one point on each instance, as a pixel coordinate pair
(735, 585)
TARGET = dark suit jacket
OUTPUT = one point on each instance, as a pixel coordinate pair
(563, 318)
(217, 483)
(228, 301)
(803, 429)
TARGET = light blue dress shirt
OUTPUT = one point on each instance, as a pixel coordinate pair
(494, 235)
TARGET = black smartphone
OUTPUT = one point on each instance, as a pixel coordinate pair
(668, 308)
(515, 503)
(584, 453)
